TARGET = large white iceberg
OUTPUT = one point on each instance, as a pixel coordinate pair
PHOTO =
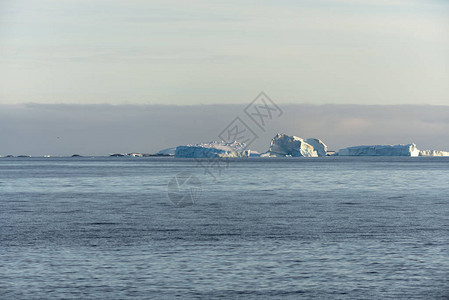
(213, 150)
(285, 145)
(380, 150)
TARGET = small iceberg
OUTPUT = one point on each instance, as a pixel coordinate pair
(433, 153)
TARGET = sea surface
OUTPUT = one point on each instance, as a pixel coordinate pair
(298, 228)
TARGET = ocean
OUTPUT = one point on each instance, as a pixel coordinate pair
(165, 228)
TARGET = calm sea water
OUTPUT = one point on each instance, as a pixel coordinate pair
(324, 228)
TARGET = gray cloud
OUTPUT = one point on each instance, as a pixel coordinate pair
(61, 129)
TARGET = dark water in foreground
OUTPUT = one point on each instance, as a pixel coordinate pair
(325, 228)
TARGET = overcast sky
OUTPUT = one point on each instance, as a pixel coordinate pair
(94, 77)
(208, 52)
(56, 129)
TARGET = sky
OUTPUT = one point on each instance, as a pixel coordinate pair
(104, 76)
(89, 129)
(213, 52)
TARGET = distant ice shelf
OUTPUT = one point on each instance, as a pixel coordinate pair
(380, 150)
(389, 150)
